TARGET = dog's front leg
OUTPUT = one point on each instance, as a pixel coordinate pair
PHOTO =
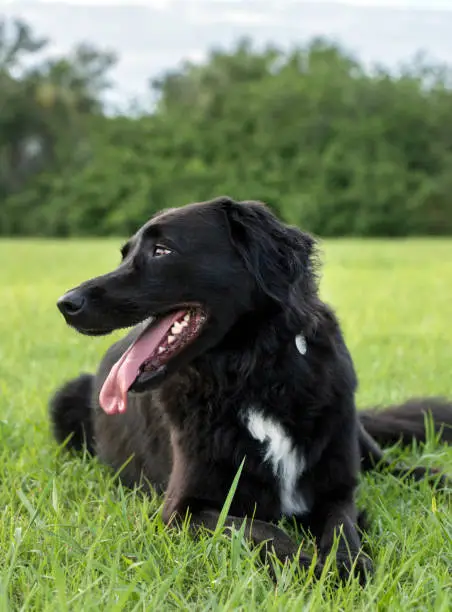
(339, 519)
(257, 532)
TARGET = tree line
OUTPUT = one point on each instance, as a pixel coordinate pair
(330, 145)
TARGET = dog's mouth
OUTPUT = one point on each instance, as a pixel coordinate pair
(144, 361)
(184, 330)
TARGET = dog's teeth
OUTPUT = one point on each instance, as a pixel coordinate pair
(184, 324)
(187, 317)
(161, 350)
(177, 328)
(171, 339)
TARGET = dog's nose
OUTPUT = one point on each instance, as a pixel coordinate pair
(71, 303)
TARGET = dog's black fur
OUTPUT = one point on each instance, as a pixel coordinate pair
(185, 429)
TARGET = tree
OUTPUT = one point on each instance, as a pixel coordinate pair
(45, 105)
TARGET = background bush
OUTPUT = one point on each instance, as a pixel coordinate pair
(329, 145)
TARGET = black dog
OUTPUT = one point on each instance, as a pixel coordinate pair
(233, 357)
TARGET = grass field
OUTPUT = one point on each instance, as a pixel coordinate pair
(71, 538)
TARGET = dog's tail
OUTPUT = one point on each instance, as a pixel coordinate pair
(407, 422)
(404, 423)
(71, 414)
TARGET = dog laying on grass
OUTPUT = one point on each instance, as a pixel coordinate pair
(232, 358)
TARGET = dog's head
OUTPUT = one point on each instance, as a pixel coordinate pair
(190, 275)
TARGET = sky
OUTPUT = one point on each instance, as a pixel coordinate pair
(152, 36)
(406, 4)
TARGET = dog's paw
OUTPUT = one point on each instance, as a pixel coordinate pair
(305, 562)
(361, 567)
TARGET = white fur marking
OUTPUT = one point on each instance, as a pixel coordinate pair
(287, 462)
(300, 343)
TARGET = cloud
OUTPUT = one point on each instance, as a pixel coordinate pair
(248, 4)
(162, 4)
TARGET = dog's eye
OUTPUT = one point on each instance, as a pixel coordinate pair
(160, 250)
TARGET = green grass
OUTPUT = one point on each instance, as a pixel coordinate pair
(71, 538)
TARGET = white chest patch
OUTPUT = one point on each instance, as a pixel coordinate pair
(286, 461)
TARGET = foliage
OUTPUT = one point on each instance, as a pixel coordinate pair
(329, 145)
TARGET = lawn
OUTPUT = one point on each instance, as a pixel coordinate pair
(71, 538)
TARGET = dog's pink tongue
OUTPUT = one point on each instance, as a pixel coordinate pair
(113, 395)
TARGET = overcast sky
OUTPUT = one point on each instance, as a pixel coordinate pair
(153, 35)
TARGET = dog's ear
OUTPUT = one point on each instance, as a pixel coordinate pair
(281, 258)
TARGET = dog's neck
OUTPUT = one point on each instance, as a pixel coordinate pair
(254, 345)
(230, 374)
